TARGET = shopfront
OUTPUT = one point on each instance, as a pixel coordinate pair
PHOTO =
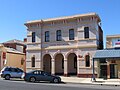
(108, 62)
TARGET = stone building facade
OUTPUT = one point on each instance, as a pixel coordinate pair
(64, 45)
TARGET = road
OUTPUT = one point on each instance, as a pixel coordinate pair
(22, 85)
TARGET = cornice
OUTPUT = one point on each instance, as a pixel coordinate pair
(63, 18)
(62, 47)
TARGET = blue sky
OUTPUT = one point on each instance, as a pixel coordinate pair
(14, 13)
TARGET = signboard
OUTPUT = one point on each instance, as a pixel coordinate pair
(116, 42)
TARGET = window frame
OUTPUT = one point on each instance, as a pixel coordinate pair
(71, 34)
(33, 37)
(58, 35)
(86, 32)
(47, 36)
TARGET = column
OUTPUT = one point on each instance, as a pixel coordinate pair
(53, 66)
(65, 67)
(108, 70)
(78, 66)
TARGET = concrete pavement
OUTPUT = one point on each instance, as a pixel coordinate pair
(115, 82)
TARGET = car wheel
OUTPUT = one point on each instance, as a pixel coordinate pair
(32, 79)
(7, 77)
(55, 80)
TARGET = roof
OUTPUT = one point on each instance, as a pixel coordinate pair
(66, 17)
(11, 50)
(15, 41)
(113, 36)
(115, 53)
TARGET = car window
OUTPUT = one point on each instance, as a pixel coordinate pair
(7, 69)
(14, 70)
(19, 70)
(36, 72)
(44, 73)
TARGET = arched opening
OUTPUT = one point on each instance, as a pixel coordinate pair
(72, 64)
(47, 63)
(59, 64)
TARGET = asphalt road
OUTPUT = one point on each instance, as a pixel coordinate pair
(22, 85)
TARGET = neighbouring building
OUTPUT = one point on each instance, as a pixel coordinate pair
(12, 53)
(109, 58)
(64, 45)
(16, 44)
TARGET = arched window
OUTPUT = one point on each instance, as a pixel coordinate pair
(87, 60)
(33, 61)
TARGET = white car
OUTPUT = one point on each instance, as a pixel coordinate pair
(11, 72)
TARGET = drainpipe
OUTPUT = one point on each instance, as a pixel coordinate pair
(41, 45)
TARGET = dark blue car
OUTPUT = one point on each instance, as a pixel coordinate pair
(38, 75)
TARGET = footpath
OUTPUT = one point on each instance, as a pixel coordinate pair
(98, 81)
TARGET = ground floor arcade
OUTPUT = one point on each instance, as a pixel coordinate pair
(62, 63)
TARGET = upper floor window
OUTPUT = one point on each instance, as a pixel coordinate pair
(71, 34)
(47, 36)
(33, 36)
(86, 32)
(33, 62)
(87, 60)
(58, 35)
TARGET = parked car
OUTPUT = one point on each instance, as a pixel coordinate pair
(11, 72)
(38, 75)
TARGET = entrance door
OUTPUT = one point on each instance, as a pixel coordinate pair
(113, 71)
(103, 71)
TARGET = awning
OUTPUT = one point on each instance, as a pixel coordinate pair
(107, 54)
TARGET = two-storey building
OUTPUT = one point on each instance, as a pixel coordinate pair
(12, 53)
(64, 45)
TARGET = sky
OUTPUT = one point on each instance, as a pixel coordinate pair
(14, 13)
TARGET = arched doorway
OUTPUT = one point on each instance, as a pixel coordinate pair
(59, 64)
(72, 64)
(47, 63)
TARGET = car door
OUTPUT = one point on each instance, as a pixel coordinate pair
(19, 72)
(37, 75)
(13, 72)
(46, 76)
